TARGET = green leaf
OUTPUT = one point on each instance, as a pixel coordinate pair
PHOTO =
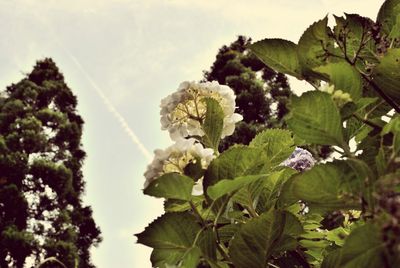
(363, 248)
(174, 205)
(395, 32)
(315, 118)
(224, 187)
(235, 162)
(388, 15)
(191, 258)
(344, 77)
(207, 244)
(226, 232)
(213, 123)
(253, 244)
(363, 103)
(171, 185)
(277, 144)
(312, 47)
(170, 258)
(166, 257)
(293, 225)
(352, 32)
(393, 127)
(337, 235)
(348, 110)
(324, 187)
(272, 187)
(172, 236)
(278, 54)
(173, 231)
(332, 260)
(387, 74)
(249, 195)
(291, 232)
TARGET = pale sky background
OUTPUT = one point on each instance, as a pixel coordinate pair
(121, 57)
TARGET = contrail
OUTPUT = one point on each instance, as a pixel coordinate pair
(111, 108)
(97, 89)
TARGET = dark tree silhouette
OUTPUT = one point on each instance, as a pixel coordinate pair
(41, 182)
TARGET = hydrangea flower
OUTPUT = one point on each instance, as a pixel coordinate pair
(183, 111)
(175, 158)
(300, 160)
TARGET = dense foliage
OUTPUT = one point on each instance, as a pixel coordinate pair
(261, 93)
(264, 204)
(41, 183)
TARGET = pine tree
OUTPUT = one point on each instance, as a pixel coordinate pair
(41, 182)
(262, 94)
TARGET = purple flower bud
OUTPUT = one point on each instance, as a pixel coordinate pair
(300, 160)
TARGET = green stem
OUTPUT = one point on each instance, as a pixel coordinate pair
(224, 251)
(253, 213)
(373, 109)
(367, 122)
(381, 93)
(220, 247)
(272, 265)
(347, 150)
(192, 205)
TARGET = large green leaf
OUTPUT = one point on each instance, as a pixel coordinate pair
(235, 162)
(174, 205)
(363, 248)
(224, 187)
(352, 35)
(388, 15)
(207, 244)
(168, 258)
(387, 74)
(175, 230)
(213, 123)
(278, 54)
(344, 77)
(163, 257)
(332, 260)
(325, 187)
(171, 185)
(395, 32)
(315, 118)
(171, 236)
(272, 187)
(191, 258)
(312, 47)
(249, 195)
(277, 144)
(253, 244)
(393, 127)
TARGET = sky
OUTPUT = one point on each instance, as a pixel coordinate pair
(121, 57)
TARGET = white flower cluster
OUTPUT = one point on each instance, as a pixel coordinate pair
(176, 157)
(338, 96)
(183, 112)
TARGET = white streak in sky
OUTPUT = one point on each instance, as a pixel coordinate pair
(111, 108)
(98, 90)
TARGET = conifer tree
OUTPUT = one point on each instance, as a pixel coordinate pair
(41, 181)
